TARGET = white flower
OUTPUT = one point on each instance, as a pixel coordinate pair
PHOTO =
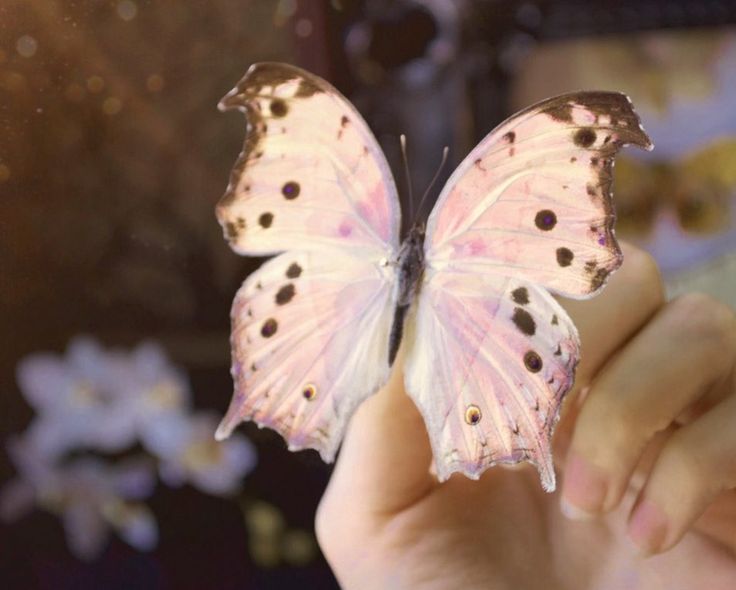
(189, 452)
(90, 496)
(97, 399)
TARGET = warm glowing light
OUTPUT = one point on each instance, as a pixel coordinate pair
(74, 92)
(4, 173)
(155, 83)
(112, 105)
(303, 27)
(13, 81)
(127, 10)
(95, 84)
(26, 46)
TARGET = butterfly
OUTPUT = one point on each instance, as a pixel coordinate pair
(488, 352)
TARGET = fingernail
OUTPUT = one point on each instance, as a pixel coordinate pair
(647, 527)
(583, 489)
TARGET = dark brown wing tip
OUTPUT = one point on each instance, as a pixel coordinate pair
(616, 105)
(270, 74)
(623, 115)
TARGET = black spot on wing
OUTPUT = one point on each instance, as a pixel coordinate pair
(231, 231)
(509, 136)
(545, 220)
(584, 137)
(265, 220)
(290, 190)
(307, 88)
(279, 107)
(294, 271)
(533, 362)
(560, 110)
(520, 296)
(269, 328)
(285, 294)
(564, 256)
(524, 321)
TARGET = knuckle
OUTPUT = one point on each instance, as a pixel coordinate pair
(642, 270)
(610, 426)
(684, 463)
(706, 319)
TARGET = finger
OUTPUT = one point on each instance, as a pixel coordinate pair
(697, 463)
(606, 323)
(681, 353)
(386, 454)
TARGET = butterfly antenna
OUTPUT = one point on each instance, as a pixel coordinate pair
(402, 140)
(445, 151)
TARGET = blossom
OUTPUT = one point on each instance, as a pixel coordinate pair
(97, 399)
(90, 495)
(188, 452)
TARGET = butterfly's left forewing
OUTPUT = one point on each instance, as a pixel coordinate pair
(528, 210)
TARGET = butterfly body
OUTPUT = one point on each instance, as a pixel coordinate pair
(489, 353)
(410, 265)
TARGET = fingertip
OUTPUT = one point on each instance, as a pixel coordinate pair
(584, 488)
(647, 528)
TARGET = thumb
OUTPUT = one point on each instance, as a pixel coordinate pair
(384, 462)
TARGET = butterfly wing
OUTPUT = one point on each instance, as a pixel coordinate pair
(310, 173)
(309, 340)
(310, 327)
(529, 209)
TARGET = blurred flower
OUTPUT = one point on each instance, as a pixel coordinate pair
(271, 542)
(90, 495)
(98, 399)
(93, 399)
(189, 452)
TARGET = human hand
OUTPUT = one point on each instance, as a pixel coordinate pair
(646, 447)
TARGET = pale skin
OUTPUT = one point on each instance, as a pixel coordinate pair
(645, 455)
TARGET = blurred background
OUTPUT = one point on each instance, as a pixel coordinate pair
(116, 283)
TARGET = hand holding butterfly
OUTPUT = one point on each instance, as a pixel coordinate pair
(646, 450)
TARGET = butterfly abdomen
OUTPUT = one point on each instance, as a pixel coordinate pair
(411, 267)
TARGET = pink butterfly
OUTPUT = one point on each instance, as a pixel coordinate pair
(489, 354)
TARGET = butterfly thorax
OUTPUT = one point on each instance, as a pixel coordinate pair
(410, 263)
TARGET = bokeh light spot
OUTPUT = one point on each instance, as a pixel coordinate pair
(155, 83)
(26, 46)
(127, 10)
(74, 92)
(4, 173)
(95, 84)
(303, 28)
(112, 105)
